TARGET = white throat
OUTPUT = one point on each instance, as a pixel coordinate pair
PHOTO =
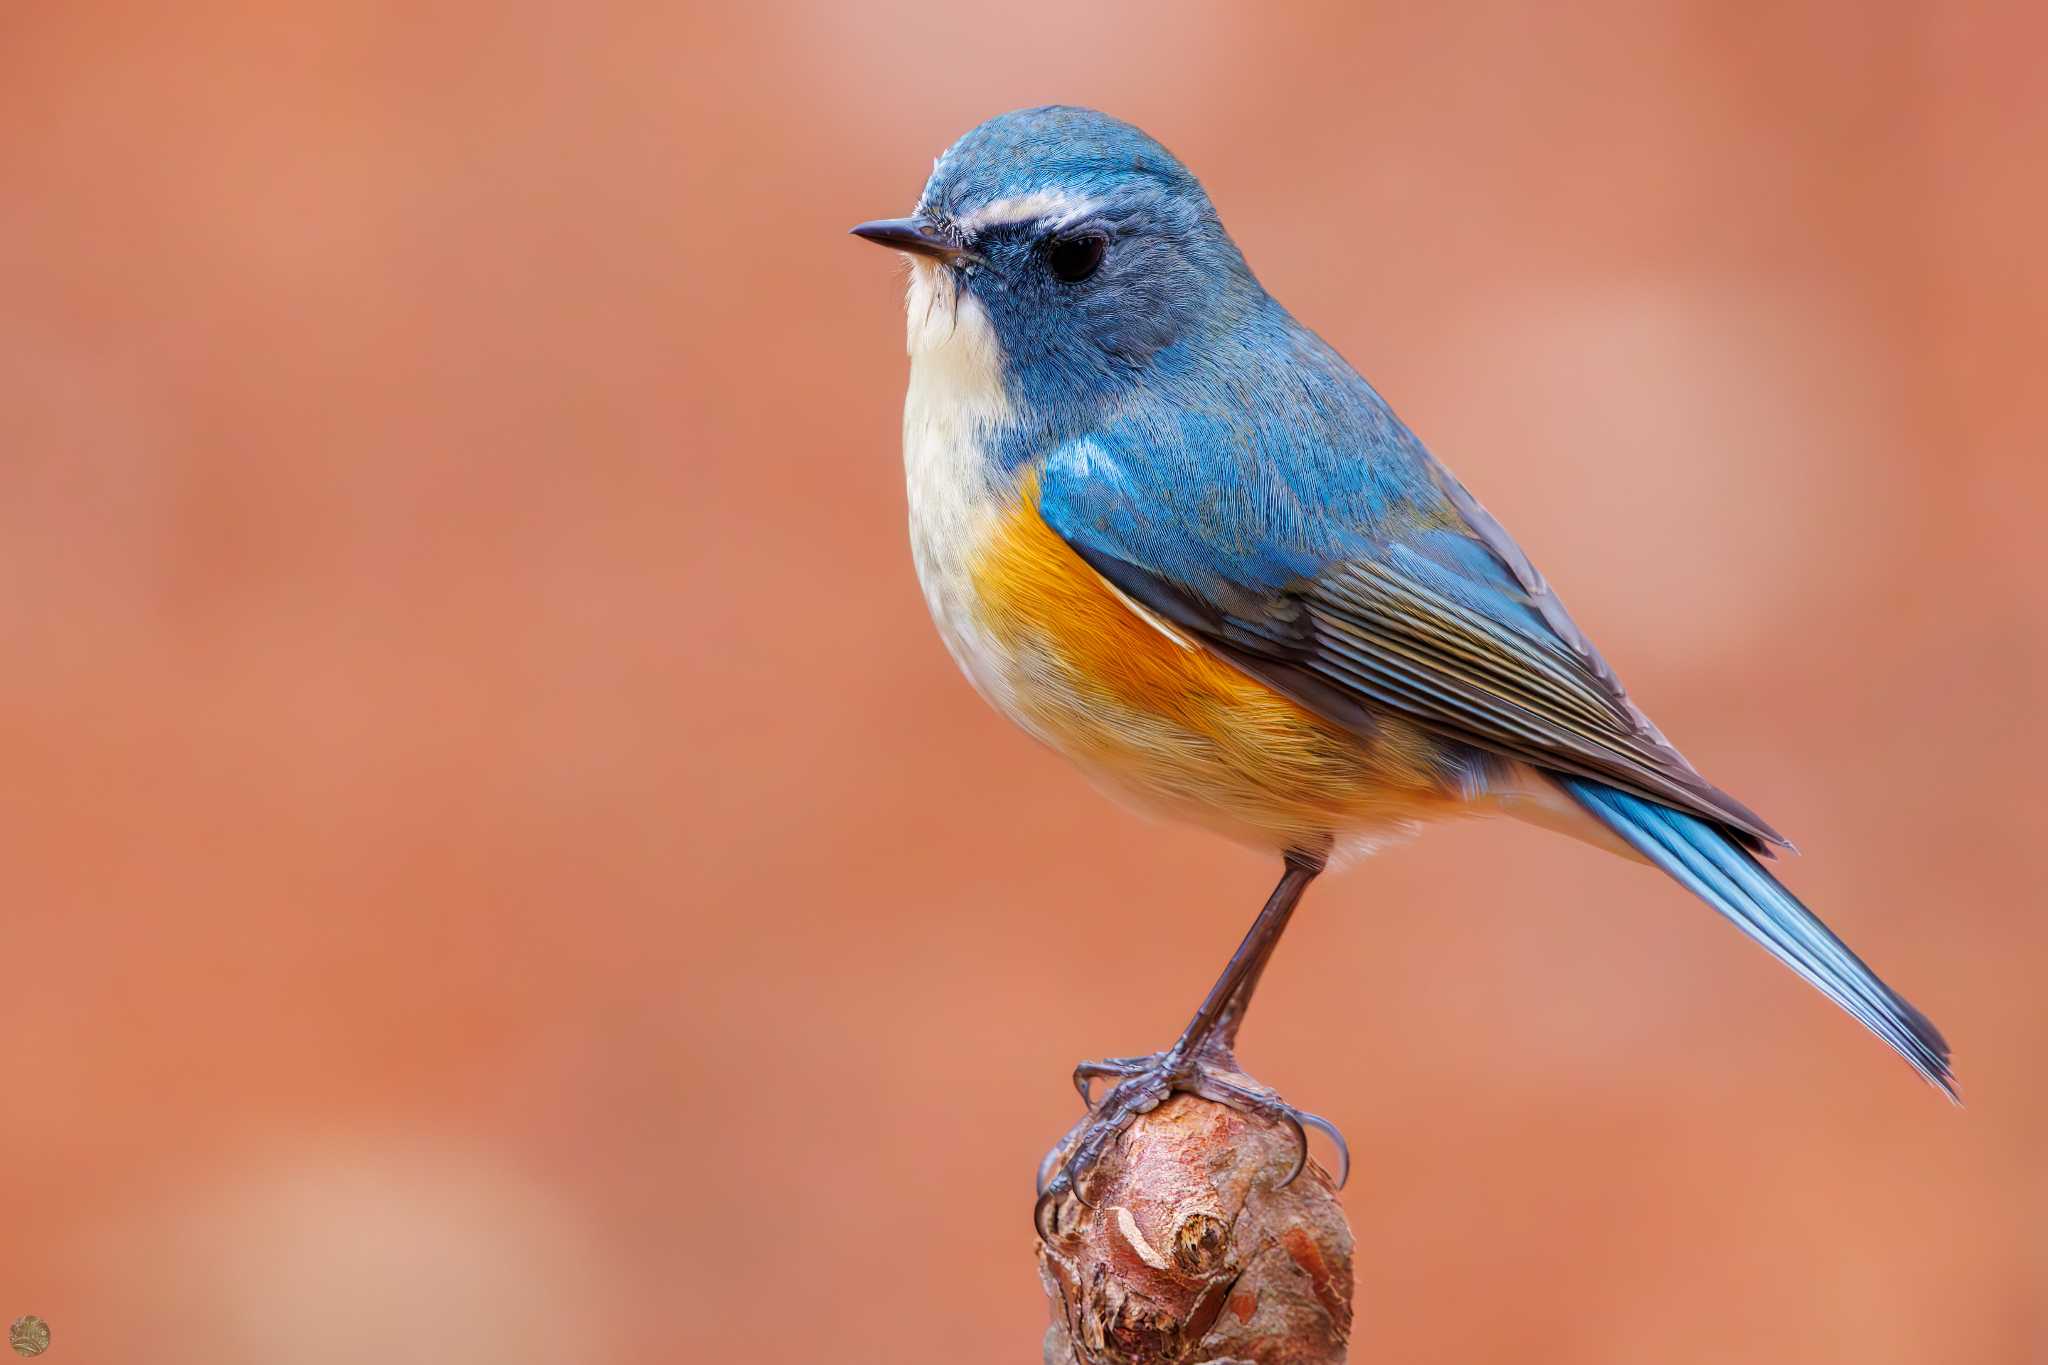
(955, 405)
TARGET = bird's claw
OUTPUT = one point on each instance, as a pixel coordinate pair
(1300, 1120)
(1256, 1099)
(1064, 1184)
(1142, 1085)
(1108, 1068)
(1330, 1131)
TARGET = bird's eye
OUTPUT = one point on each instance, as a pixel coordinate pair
(1075, 258)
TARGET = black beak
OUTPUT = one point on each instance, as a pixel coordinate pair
(913, 236)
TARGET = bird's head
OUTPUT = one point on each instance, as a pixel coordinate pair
(1069, 248)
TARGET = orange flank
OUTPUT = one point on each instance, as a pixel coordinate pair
(1170, 725)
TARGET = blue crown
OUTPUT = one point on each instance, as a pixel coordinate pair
(1056, 147)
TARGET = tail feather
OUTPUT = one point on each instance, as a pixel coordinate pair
(1729, 878)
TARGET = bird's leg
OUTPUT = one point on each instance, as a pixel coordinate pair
(1222, 1042)
(1212, 1032)
(1200, 1061)
(1220, 1045)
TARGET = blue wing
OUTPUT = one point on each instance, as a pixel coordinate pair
(1311, 539)
(1303, 533)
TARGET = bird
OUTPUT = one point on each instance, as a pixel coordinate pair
(1171, 533)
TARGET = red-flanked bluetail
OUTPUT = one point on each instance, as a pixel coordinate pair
(1171, 533)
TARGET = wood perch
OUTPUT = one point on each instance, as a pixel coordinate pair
(1194, 1255)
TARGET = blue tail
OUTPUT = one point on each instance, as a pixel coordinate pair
(1725, 876)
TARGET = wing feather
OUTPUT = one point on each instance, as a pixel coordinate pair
(1361, 634)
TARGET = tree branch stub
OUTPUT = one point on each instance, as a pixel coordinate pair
(1194, 1255)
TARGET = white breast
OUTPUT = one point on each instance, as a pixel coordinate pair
(955, 403)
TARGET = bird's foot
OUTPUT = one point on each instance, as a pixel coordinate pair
(1142, 1084)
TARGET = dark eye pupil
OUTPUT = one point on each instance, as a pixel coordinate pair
(1075, 258)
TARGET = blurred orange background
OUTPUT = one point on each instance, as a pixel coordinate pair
(500, 868)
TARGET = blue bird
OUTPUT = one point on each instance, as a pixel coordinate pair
(1168, 531)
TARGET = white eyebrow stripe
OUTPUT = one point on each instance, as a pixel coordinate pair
(1021, 208)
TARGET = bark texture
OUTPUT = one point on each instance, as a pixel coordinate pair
(1194, 1254)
